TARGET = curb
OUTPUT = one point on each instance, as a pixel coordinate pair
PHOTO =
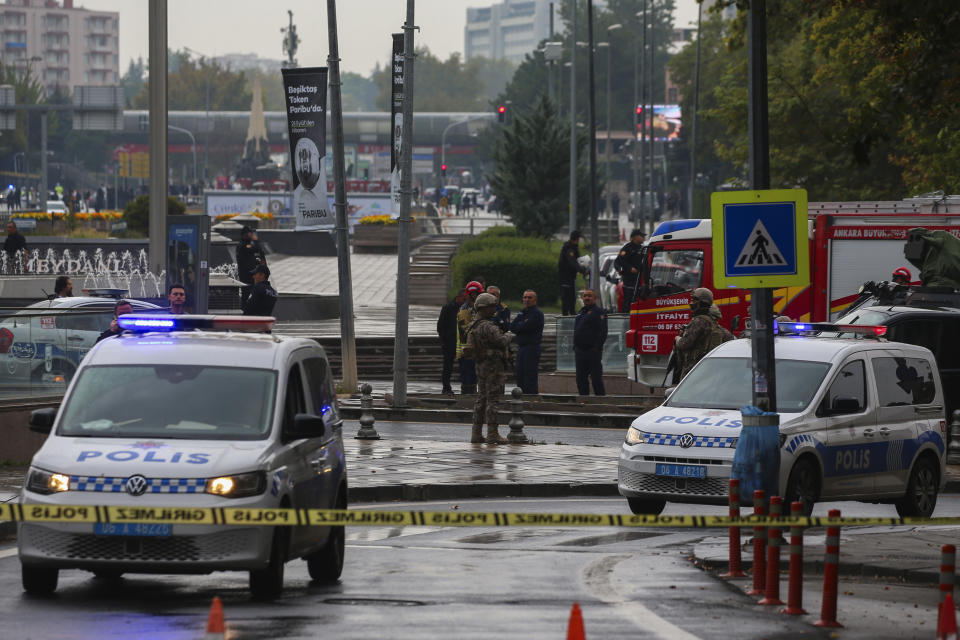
(465, 416)
(846, 569)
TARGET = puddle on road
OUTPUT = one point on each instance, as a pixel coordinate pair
(376, 602)
(624, 536)
(508, 536)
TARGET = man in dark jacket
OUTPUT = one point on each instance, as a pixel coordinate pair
(249, 255)
(121, 308)
(501, 317)
(528, 327)
(567, 272)
(589, 334)
(629, 266)
(447, 330)
(15, 246)
(263, 297)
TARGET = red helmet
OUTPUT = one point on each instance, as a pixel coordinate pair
(902, 272)
(473, 287)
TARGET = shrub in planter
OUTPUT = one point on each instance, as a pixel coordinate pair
(137, 212)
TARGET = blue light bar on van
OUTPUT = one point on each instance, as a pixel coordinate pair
(876, 331)
(143, 322)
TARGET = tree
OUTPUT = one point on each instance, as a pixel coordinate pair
(189, 81)
(532, 174)
(132, 81)
(137, 212)
(438, 85)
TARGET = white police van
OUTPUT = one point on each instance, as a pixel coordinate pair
(860, 419)
(189, 411)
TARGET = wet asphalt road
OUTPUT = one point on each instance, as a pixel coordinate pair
(469, 583)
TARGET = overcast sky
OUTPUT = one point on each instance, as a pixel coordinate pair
(216, 27)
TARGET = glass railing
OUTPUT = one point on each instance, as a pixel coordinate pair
(614, 349)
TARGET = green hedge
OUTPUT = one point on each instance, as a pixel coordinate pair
(512, 263)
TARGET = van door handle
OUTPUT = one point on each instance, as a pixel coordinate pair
(884, 431)
(318, 464)
(868, 433)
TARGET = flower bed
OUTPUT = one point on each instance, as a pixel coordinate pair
(378, 234)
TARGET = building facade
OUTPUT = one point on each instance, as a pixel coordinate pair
(509, 30)
(62, 45)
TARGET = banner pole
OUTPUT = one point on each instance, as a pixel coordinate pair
(348, 346)
(400, 346)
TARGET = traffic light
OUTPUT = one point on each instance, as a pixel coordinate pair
(639, 111)
(443, 170)
(502, 113)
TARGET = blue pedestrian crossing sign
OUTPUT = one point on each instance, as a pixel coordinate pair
(760, 239)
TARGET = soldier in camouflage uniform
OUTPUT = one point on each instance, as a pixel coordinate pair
(701, 335)
(489, 347)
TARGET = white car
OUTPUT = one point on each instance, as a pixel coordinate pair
(860, 419)
(57, 206)
(182, 418)
(44, 343)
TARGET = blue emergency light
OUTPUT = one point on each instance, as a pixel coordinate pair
(143, 322)
(876, 331)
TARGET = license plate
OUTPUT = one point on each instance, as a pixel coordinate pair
(132, 529)
(681, 471)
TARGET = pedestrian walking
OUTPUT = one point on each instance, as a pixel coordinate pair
(615, 204)
(15, 248)
(263, 297)
(527, 325)
(630, 265)
(447, 331)
(700, 335)
(490, 347)
(567, 269)
(249, 256)
(501, 316)
(465, 318)
(589, 335)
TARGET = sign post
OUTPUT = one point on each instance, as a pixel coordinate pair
(760, 242)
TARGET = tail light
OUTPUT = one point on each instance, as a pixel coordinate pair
(6, 340)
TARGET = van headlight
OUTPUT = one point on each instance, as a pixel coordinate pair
(47, 482)
(635, 436)
(240, 485)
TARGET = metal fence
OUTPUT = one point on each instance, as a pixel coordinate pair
(614, 349)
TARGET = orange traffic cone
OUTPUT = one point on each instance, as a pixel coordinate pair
(215, 629)
(575, 627)
(947, 620)
(623, 235)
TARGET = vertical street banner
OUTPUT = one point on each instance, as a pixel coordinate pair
(396, 119)
(306, 100)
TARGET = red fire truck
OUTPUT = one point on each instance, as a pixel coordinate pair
(850, 243)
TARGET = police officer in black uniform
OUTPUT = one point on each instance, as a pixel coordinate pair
(263, 296)
(589, 334)
(629, 266)
(249, 255)
(567, 269)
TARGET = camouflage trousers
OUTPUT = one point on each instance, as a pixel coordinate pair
(491, 379)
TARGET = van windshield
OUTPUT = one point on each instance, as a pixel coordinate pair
(724, 383)
(170, 401)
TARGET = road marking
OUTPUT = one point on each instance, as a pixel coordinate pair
(6, 553)
(596, 577)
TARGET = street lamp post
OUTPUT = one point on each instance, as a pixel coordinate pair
(573, 120)
(691, 186)
(193, 147)
(653, 138)
(609, 46)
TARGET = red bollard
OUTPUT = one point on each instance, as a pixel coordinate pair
(772, 591)
(831, 561)
(759, 543)
(948, 557)
(795, 589)
(735, 571)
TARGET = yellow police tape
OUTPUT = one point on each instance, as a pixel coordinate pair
(453, 518)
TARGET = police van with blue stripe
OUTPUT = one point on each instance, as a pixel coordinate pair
(189, 411)
(860, 419)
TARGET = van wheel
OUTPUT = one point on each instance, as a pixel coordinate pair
(646, 506)
(803, 485)
(326, 565)
(267, 583)
(921, 497)
(39, 581)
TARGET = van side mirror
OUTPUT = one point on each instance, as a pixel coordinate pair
(842, 405)
(668, 392)
(305, 425)
(41, 420)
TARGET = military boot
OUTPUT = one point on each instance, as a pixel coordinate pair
(493, 437)
(476, 436)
